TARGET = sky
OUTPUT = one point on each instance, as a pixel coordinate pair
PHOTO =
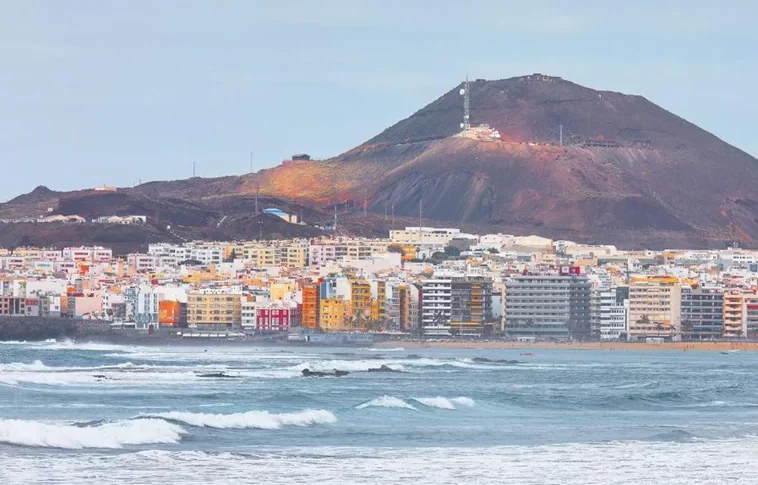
(116, 92)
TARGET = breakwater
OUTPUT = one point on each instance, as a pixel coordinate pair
(43, 328)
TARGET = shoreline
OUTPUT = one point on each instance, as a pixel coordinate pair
(608, 346)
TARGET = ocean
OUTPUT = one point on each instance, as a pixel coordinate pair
(114, 414)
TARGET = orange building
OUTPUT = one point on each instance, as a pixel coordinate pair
(169, 312)
(311, 306)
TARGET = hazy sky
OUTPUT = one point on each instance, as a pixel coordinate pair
(112, 91)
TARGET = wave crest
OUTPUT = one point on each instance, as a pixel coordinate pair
(387, 402)
(251, 419)
(445, 403)
(106, 435)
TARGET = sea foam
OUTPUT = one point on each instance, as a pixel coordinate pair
(107, 435)
(444, 403)
(387, 402)
(251, 419)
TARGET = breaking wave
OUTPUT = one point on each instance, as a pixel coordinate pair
(251, 419)
(445, 403)
(106, 435)
(347, 365)
(387, 402)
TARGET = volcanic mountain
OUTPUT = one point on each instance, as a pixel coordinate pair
(544, 156)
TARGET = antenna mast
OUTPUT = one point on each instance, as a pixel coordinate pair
(560, 136)
(193, 169)
(257, 191)
(466, 105)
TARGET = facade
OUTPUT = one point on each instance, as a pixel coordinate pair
(311, 306)
(613, 308)
(426, 235)
(213, 307)
(361, 304)
(13, 306)
(551, 306)
(336, 314)
(702, 313)
(654, 308)
(324, 251)
(457, 305)
(269, 319)
(734, 314)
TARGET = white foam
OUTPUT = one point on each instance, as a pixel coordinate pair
(252, 419)
(108, 435)
(37, 365)
(718, 462)
(90, 346)
(387, 402)
(464, 401)
(435, 402)
(347, 365)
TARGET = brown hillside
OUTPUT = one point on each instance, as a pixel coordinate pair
(628, 172)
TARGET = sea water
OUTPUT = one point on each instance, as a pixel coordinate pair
(110, 414)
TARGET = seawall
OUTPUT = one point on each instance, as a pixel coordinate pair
(43, 328)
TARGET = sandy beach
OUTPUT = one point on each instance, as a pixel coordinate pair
(611, 346)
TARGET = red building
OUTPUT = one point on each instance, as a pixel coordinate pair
(275, 319)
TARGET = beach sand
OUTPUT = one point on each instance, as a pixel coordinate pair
(613, 346)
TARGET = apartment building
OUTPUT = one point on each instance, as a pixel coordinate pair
(457, 305)
(734, 314)
(336, 314)
(214, 307)
(325, 250)
(12, 306)
(612, 313)
(654, 308)
(548, 306)
(702, 313)
(310, 313)
(424, 235)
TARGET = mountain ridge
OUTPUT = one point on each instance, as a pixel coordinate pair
(557, 159)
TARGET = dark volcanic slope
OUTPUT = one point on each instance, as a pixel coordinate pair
(664, 179)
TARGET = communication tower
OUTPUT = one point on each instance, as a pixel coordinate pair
(466, 109)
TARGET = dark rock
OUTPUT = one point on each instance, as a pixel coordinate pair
(383, 368)
(218, 375)
(336, 373)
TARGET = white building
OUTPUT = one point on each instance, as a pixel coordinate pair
(436, 304)
(612, 312)
(428, 235)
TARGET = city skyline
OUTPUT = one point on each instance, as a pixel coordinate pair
(134, 90)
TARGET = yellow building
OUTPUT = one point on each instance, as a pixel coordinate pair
(294, 255)
(378, 301)
(654, 307)
(335, 314)
(280, 290)
(361, 303)
(214, 307)
(289, 254)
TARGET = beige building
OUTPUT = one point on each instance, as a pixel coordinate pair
(654, 308)
(288, 254)
(735, 310)
(424, 235)
(214, 307)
